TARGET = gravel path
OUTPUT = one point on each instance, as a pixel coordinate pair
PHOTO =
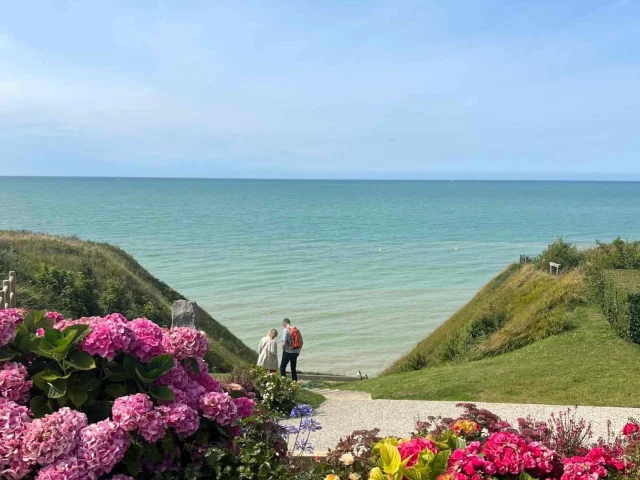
(346, 411)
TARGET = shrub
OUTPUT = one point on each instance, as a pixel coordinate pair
(112, 396)
(277, 393)
(564, 253)
(620, 300)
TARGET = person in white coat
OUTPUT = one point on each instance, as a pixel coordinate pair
(268, 351)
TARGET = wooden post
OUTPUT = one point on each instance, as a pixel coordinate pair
(6, 293)
(12, 289)
(1, 299)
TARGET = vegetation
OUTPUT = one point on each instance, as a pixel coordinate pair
(81, 278)
(566, 254)
(620, 299)
(589, 365)
(521, 305)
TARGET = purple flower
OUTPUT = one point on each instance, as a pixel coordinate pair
(7, 331)
(182, 418)
(244, 406)
(219, 407)
(185, 342)
(67, 468)
(13, 382)
(301, 411)
(176, 377)
(203, 377)
(148, 341)
(102, 446)
(137, 413)
(53, 436)
(310, 425)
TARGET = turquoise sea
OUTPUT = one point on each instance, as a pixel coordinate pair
(366, 269)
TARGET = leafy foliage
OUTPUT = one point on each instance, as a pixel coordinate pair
(564, 253)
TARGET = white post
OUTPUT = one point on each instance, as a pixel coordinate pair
(12, 289)
(7, 293)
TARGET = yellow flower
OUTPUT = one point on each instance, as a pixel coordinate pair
(331, 476)
(354, 476)
(347, 459)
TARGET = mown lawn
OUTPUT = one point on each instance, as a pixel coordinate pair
(588, 365)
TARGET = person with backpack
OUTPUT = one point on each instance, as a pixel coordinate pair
(291, 346)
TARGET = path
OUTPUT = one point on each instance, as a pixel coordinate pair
(346, 411)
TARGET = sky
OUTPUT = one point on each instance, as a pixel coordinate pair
(332, 89)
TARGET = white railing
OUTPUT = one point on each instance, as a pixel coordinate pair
(8, 292)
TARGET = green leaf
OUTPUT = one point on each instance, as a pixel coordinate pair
(194, 365)
(116, 390)
(6, 354)
(376, 474)
(78, 395)
(80, 361)
(39, 406)
(117, 374)
(391, 460)
(129, 364)
(526, 476)
(41, 378)
(133, 460)
(151, 453)
(56, 388)
(158, 366)
(141, 376)
(160, 392)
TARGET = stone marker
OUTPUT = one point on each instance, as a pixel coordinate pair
(185, 313)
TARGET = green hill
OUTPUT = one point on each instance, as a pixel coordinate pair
(82, 278)
(530, 337)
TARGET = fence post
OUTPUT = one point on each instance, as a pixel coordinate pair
(1, 299)
(12, 286)
(7, 293)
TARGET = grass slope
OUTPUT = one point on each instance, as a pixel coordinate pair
(589, 365)
(518, 307)
(116, 282)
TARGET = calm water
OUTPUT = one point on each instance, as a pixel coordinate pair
(365, 269)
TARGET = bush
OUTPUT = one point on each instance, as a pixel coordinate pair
(277, 393)
(67, 291)
(620, 300)
(566, 254)
(112, 396)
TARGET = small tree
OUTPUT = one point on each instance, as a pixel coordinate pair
(564, 253)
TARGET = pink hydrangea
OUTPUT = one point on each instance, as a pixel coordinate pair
(176, 377)
(102, 446)
(55, 316)
(13, 382)
(108, 336)
(540, 461)
(67, 468)
(182, 418)
(91, 321)
(219, 407)
(7, 331)
(14, 419)
(203, 377)
(245, 407)
(411, 449)
(137, 413)
(185, 342)
(14, 315)
(40, 332)
(148, 339)
(192, 394)
(53, 436)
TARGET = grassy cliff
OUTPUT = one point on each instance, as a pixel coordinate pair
(81, 278)
(530, 337)
(519, 306)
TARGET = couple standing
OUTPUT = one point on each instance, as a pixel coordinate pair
(291, 347)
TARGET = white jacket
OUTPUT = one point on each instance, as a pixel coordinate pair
(268, 353)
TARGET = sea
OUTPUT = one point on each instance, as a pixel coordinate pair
(365, 269)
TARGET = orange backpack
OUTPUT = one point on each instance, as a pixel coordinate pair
(295, 339)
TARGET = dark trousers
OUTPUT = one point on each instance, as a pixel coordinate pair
(286, 358)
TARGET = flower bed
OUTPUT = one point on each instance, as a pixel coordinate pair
(104, 397)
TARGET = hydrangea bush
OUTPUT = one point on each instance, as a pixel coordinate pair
(108, 398)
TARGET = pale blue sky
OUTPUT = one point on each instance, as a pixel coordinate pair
(322, 89)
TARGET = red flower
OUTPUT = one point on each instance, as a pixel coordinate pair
(630, 428)
(412, 449)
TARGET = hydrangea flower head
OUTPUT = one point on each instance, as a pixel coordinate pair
(13, 382)
(14, 419)
(7, 331)
(66, 468)
(55, 316)
(102, 446)
(56, 435)
(137, 413)
(412, 449)
(148, 339)
(182, 418)
(219, 407)
(108, 336)
(244, 406)
(185, 342)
